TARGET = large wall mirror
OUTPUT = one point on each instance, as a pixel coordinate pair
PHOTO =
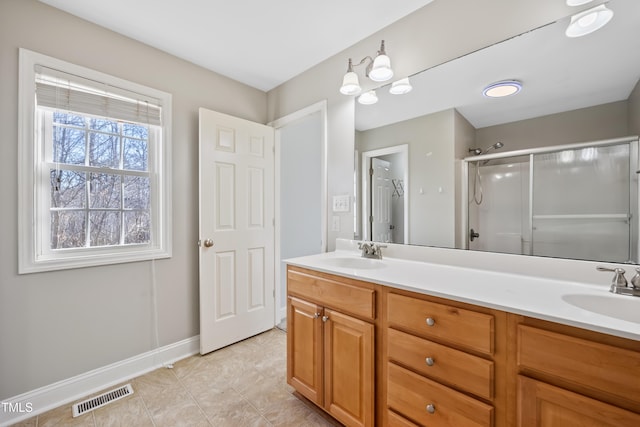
(439, 151)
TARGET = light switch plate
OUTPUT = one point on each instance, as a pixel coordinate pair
(341, 203)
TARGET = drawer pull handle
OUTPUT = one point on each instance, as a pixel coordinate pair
(430, 321)
(430, 408)
(429, 361)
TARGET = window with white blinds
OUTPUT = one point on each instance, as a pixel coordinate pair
(94, 167)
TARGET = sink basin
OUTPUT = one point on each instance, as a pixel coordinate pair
(620, 306)
(356, 263)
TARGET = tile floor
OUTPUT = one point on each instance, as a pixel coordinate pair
(240, 385)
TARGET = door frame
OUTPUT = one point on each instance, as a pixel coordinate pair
(278, 124)
(366, 191)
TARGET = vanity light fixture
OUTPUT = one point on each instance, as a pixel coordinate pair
(588, 21)
(502, 88)
(350, 83)
(368, 98)
(378, 70)
(400, 87)
(577, 2)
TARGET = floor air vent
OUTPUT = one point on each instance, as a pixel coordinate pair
(99, 401)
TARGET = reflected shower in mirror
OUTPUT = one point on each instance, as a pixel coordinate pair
(574, 90)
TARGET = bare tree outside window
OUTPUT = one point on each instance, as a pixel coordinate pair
(99, 187)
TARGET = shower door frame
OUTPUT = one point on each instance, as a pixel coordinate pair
(633, 189)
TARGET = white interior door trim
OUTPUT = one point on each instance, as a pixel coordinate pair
(277, 124)
(366, 193)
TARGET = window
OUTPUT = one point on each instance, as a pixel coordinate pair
(94, 168)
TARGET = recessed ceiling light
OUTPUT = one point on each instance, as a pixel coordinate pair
(588, 21)
(502, 88)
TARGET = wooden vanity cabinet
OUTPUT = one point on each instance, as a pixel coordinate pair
(443, 362)
(375, 355)
(330, 343)
(568, 376)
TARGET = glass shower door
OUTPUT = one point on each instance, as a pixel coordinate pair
(581, 204)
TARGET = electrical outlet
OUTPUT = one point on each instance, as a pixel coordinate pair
(335, 223)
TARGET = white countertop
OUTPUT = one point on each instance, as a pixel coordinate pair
(526, 295)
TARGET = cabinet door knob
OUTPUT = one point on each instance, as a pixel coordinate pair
(429, 361)
(430, 321)
(325, 318)
(430, 408)
(315, 316)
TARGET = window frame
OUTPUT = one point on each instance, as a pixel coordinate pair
(34, 253)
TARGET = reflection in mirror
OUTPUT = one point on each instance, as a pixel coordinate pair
(574, 201)
(575, 90)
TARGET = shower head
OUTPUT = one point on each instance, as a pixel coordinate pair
(478, 151)
(493, 147)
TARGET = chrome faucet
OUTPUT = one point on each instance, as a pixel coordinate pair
(371, 250)
(619, 284)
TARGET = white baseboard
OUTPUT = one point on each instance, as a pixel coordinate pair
(43, 399)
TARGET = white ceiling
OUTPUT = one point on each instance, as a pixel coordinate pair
(558, 74)
(260, 43)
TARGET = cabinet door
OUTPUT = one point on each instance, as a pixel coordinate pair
(544, 405)
(349, 365)
(304, 348)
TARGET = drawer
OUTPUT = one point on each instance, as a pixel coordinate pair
(590, 364)
(458, 369)
(465, 328)
(359, 301)
(412, 396)
(395, 420)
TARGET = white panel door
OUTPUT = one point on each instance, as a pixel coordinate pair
(236, 229)
(381, 192)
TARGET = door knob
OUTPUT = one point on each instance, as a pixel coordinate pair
(208, 243)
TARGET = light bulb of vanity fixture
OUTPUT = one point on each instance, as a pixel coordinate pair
(381, 68)
(368, 98)
(577, 2)
(588, 21)
(350, 83)
(400, 87)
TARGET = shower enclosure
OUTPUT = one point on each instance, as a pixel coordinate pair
(576, 201)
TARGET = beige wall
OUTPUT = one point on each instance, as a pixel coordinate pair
(60, 324)
(439, 32)
(586, 124)
(431, 188)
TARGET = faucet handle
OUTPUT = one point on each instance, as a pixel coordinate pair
(618, 279)
(635, 280)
